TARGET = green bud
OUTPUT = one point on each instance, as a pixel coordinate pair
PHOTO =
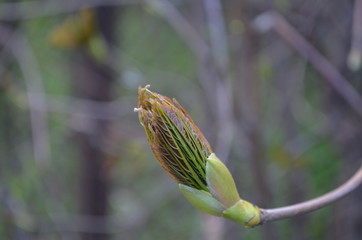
(176, 141)
(184, 153)
(220, 182)
(202, 200)
(243, 212)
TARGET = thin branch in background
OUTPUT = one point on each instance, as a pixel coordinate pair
(217, 32)
(37, 9)
(17, 44)
(74, 106)
(186, 31)
(192, 38)
(273, 20)
(210, 76)
(355, 54)
(214, 228)
(212, 64)
(289, 78)
(248, 97)
(222, 83)
(274, 214)
(249, 108)
(66, 222)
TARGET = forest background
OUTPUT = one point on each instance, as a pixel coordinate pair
(274, 85)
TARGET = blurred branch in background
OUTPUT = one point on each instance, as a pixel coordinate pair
(186, 31)
(355, 53)
(213, 69)
(330, 74)
(249, 100)
(93, 80)
(36, 9)
(219, 69)
(289, 78)
(69, 224)
(86, 108)
(16, 42)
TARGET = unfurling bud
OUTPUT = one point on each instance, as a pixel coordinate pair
(187, 157)
(177, 143)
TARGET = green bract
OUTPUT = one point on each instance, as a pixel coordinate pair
(183, 151)
(220, 182)
(202, 200)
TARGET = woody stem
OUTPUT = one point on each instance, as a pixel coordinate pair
(268, 215)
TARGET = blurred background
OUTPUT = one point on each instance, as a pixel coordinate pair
(274, 85)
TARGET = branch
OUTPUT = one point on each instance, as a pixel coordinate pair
(268, 215)
(273, 20)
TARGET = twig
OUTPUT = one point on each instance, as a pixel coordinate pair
(273, 20)
(268, 215)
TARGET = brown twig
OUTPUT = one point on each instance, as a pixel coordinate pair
(273, 20)
(268, 215)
